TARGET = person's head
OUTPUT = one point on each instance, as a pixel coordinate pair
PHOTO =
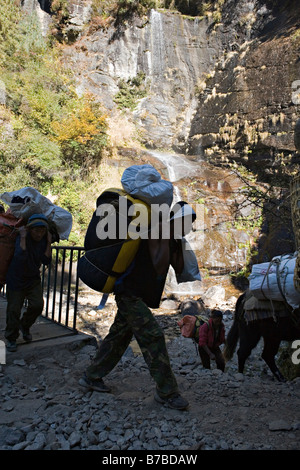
(181, 219)
(217, 317)
(37, 226)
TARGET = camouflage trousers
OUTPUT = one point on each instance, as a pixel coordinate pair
(134, 318)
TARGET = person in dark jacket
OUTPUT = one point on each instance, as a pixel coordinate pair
(211, 336)
(140, 289)
(23, 280)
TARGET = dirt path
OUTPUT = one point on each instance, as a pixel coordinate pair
(42, 406)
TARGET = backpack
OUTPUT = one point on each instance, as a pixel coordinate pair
(105, 260)
(190, 324)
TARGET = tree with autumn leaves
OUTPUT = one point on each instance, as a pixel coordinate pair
(82, 134)
(50, 138)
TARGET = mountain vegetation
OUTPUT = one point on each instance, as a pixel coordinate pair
(55, 140)
(50, 138)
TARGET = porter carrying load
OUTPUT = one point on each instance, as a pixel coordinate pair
(110, 241)
(121, 219)
(27, 201)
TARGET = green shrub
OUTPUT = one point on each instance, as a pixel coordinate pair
(10, 15)
(131, 91)
(49, 137)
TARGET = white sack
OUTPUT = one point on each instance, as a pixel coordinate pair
(271, 280)
(191, 269)
(144, 182)
(39, 204)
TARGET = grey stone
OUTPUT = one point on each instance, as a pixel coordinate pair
(74, 439)
(14, 436)
(279, 425)
(38, 443)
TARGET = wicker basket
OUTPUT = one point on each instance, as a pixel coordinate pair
(295, 209)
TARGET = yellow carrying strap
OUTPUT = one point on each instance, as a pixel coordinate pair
(141, 217)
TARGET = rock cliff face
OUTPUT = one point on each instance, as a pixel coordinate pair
(251, 104)
(174, 55)
(222, 91)
(225, 90)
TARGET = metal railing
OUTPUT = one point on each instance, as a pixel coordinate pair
(60, 284)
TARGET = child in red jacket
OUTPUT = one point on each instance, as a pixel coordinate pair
(211, 336)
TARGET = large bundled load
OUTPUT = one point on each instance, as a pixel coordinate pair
(22, 204)
(144, 182)
(25, 202)
(275, 280)
(110, 242)
(107, 257)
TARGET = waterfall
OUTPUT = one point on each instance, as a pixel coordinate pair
(157, 44)
(177, 167)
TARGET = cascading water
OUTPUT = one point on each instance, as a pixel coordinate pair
(158, 44)
(177, 166)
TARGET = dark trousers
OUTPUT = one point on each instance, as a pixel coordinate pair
(134, 318)
(206, 359)
(15, 301)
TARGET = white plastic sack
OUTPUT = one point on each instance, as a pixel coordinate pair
(145, 183)
(36, 203)
(190, 271)
(275, 280)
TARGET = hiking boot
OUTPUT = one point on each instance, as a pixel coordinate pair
(97, 385)
(26, 335)
(11, 346)
(175, 401)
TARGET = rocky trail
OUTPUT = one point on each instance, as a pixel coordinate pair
(43, 407)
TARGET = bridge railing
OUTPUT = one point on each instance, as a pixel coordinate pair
(60, 284)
